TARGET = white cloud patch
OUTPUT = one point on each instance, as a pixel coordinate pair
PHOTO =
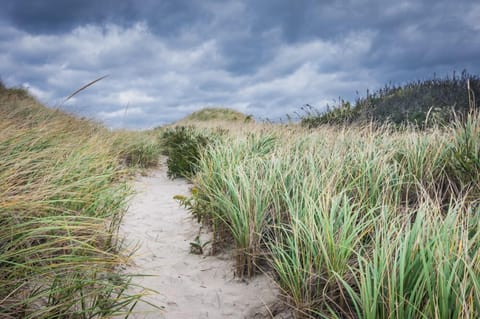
(401, 8)
(128, 96)
(121, 113)
(327, 54)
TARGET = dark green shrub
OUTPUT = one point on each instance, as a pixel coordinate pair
(183, 146)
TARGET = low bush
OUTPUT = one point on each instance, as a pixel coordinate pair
(183, 145)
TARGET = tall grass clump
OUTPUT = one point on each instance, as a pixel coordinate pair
(238, 183)
(464, 164)
(421, 266)
(62, 197)
(138, 149)
(359, 222)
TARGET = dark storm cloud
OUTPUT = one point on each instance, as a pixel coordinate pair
(434, 31)
(168, 58)
(57, 16)
(60, 16)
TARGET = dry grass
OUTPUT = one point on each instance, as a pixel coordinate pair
(62, 197)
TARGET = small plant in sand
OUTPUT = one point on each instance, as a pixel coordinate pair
(197, 246)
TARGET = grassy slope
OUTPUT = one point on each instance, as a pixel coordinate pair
(424, 103)
(62, 196)
(219, 115)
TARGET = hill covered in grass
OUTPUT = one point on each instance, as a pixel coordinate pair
(423, 103)
(216, 114)
(63, 191)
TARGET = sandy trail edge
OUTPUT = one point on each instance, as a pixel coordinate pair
(189, 286)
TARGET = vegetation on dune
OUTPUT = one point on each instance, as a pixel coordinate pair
(62, 196)
(360, 222)
(365, 221)
(183, 146)
(423, 103)
(213, 114)
(137, 149)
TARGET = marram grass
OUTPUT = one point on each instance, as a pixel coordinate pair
(353, 222)
(62, 197)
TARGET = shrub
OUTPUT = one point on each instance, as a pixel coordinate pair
(463, 165)
(183, 146)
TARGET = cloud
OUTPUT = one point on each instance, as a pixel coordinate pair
(168, 58)
(473, 17)
(143, 69)
(120, 113)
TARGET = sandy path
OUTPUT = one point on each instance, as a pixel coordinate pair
(189, 285)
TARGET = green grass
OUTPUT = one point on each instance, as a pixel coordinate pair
(137, 149)
(63, 193)
(352, 222)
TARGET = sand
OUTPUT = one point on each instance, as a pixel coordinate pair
(188, 285)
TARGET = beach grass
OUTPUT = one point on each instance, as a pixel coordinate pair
(63, 193)
(351, 221)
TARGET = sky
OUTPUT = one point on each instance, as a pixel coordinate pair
(167, 58)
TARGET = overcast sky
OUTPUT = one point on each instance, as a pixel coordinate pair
(167, 58)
